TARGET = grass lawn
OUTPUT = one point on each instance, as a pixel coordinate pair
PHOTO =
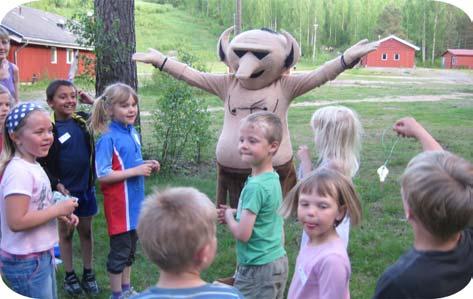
(384, 234)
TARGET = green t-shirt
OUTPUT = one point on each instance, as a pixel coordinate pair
(262, 196)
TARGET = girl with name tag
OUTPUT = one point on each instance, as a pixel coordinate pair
(70, 168)
(322, 200)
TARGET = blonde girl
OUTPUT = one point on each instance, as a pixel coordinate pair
(337, 137)
(6, 102)
(9, 73)
(28, 213)
(321, 201)
(120, 170)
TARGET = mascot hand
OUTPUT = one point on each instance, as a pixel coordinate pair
(153, 56)
(360, 49)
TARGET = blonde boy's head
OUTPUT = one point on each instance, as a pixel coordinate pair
(437, 188)
(174, 226)
(268, 122)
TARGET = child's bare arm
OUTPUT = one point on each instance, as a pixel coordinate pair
(116, 176)
(240, 230)
(19, 218)
(16, 82)
(85, 98)
(409, 127)
(304, 156)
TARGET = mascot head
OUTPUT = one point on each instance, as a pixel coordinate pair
(258, 57)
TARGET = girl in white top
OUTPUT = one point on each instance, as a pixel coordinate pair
(337, 136)
(28, 213)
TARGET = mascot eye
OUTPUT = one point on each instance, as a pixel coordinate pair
(260, 55)
(239, 53)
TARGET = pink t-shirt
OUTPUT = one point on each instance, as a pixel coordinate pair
(321, 272)
(22, 177)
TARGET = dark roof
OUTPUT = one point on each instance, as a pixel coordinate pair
(26, 24)
(460, 52)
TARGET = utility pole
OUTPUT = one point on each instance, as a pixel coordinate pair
(315, 40)
(237, 20)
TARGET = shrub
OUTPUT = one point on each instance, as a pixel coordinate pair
(181, 122)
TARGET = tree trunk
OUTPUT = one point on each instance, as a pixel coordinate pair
(435, 35)
(238, 17)
(115, 44)
(423, 38)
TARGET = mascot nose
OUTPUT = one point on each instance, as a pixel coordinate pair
(248, 65)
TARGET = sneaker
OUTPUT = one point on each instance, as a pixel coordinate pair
(89, 284)
(72, 285)
(129, 293)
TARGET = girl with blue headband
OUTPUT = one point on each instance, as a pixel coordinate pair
(28, 212)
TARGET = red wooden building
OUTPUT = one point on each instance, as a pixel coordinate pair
(41, 45)
(392, 52)
(457, 58)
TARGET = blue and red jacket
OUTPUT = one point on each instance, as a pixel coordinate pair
(118, 149)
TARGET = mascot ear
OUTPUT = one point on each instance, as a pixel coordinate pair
(293, 51)
(222, 45)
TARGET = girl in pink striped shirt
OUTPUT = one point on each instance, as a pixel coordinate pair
(321, 201)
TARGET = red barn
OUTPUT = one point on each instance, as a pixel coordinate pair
(392, 52)
(41, 45)
(457, 58)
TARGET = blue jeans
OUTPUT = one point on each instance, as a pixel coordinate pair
(32, 276)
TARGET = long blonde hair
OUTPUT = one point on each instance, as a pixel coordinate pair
(325, 181)
(113, 95)
(338, 132)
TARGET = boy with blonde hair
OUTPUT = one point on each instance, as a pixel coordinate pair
(437, 195)
(258, 228)
(177, 230)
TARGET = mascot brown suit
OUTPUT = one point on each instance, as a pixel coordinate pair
(259, 79)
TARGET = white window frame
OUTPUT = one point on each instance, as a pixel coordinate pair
(69, 56)
(53, 55)
(398, 56)
(384, 56)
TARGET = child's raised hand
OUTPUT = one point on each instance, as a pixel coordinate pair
(153, 56)
(61, 188)
(408, 127)
(85, 98)
(66, 207)
(303, 153)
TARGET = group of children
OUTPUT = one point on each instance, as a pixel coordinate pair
(43, 152)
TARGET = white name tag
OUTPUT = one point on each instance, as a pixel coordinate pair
(64, 137)
(302, 275)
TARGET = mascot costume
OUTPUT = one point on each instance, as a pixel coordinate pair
(259, 62)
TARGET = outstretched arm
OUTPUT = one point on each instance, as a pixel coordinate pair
(409, 127)
(301, 83)
(213, 83)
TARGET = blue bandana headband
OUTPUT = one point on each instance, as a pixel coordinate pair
(17, 114)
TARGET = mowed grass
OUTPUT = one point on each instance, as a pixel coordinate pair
(383, 235)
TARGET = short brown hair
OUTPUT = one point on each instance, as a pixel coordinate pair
(174, 225)
(438, 188)
(325, 181)
(269, 122)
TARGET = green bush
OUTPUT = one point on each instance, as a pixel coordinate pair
(181, 122)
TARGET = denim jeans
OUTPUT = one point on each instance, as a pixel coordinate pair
(32, 276)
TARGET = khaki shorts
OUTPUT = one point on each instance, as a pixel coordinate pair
(265, 281)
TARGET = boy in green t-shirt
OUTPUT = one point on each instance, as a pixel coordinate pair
(258, 228)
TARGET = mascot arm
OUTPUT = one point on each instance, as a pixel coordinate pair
(216, 84)
(300, 84)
